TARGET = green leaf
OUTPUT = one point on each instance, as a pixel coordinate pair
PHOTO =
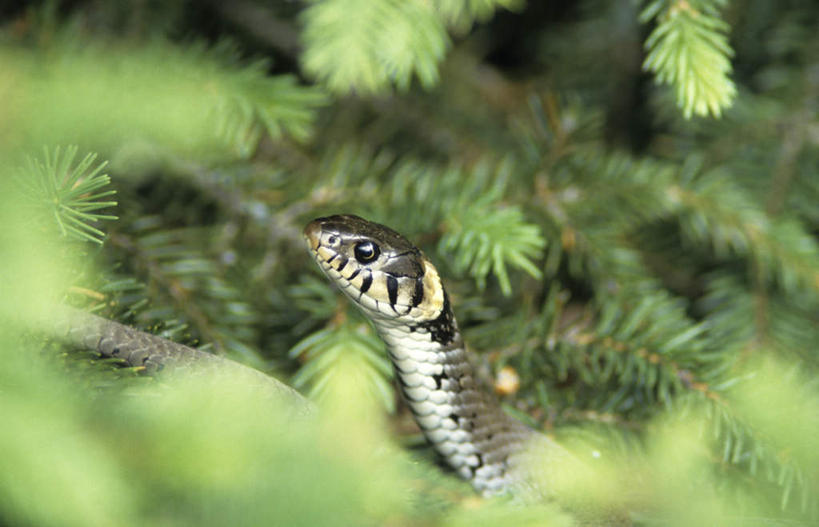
(462, 14)
(689, 49)
(325, 350)
(69, 193)
(366, 45)
(481, 240)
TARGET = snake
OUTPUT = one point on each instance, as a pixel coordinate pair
(401, 293)
(151, 354)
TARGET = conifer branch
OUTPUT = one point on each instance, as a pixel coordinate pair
(689, 50)
(367, 45)
(460, 15)
(70, 193)
(331, 351)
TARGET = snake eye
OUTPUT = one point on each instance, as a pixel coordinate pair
(366, 252)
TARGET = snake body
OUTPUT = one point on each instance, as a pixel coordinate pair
(401, 293)
(152, 354)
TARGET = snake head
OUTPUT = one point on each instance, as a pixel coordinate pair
(385, 275)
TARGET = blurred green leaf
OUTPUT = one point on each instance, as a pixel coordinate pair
(689, 50)
(367, 45)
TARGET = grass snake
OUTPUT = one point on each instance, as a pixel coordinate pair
(401, 293)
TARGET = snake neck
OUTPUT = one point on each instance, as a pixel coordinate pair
(400, 291)
(462, 421)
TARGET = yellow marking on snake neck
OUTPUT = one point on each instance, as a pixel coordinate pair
(433, 302)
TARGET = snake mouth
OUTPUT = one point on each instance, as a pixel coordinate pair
(312, 234)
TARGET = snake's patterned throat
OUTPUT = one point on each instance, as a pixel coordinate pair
(400, 291)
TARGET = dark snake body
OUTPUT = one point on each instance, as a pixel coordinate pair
(152, 354)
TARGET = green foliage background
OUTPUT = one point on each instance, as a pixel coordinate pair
(622, 197)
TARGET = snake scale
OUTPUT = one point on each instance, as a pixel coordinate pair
(401, 293)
